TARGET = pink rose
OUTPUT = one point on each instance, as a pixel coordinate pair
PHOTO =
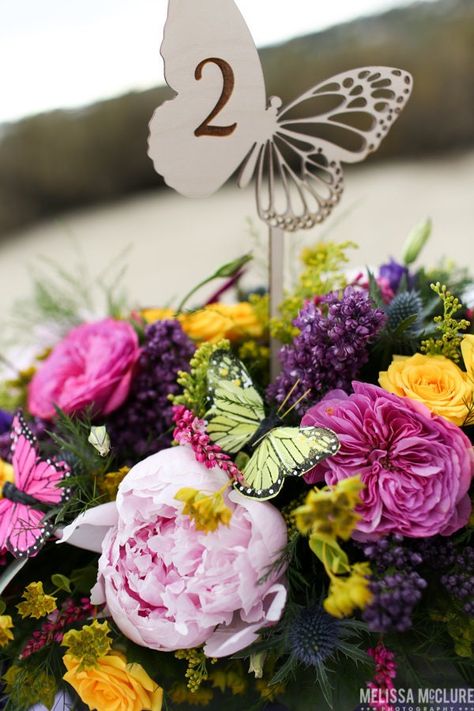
(168, 586)
(92, 365)
(417, 466)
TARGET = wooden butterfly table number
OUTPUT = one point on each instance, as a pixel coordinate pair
(220, 120)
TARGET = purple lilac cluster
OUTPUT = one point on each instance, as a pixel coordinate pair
(396, 586)
(459, 582)
(143, 425)
(457, 567)
(331, 348)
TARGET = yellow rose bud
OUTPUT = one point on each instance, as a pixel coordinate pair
(114, 684)
(435, 381)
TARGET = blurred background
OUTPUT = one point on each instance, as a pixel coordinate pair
(80, 80)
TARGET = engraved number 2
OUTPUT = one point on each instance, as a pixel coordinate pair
(205, 129)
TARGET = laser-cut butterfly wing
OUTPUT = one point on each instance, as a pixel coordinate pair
(211, 62)
(341, 120)
(23, 528)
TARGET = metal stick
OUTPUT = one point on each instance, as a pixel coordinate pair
(276, 283)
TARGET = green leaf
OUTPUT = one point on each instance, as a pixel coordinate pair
(331, 555)
(61, 582)
(3, 606)
(84, 579)
(231, 268)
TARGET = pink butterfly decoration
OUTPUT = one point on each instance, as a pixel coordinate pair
(24, 526)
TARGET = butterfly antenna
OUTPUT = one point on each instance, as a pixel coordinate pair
(294, 386)
(295, 404)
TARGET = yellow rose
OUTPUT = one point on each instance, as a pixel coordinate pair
(113, 685)
(6, 474)
(467, 350)
(218, 321)
(152, 315)
(435, 381)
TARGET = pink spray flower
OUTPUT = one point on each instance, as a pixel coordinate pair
(91, 366)
(417, 467)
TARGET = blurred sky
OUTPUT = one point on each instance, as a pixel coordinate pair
(67, 53)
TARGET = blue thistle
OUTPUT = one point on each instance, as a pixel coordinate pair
(314, 636)
(404, 305)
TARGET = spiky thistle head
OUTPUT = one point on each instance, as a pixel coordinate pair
(405, 305)
(314, 636)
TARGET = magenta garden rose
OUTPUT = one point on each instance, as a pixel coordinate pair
(91, 366)
(416, 466)
(169, 586)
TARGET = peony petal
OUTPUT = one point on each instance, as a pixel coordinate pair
(90, 528)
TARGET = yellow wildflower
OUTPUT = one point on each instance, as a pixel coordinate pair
(329, 513)
(229, 679)
(6, 474)
(36, 603)
(180, 694)
(208, 511)
(269, 692)
(6, 626)
(346, 593)
(111, 482)
(113, 684)
(89, 644)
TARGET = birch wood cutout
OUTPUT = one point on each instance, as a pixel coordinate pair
(220, 119)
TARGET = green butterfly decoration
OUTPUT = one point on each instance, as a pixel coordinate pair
(236, 419)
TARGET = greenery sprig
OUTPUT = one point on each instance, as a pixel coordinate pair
(449, 342)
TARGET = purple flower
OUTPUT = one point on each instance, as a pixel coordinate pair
(5, 421)
(416, 466)
(393, 273)
(143, 425)
(332, 346)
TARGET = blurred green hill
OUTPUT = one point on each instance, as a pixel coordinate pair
(66, 159)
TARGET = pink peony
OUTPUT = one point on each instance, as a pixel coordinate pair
(417, 466)
(92, 365)
(168, 586)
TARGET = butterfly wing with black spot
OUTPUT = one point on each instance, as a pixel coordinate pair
(284, 452)
(236, 408)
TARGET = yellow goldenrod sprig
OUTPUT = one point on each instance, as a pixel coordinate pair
(323, 271)
(194, 383)
(196, 672)
(449, 342)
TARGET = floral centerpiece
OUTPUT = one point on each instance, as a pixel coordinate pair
(179, 530)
